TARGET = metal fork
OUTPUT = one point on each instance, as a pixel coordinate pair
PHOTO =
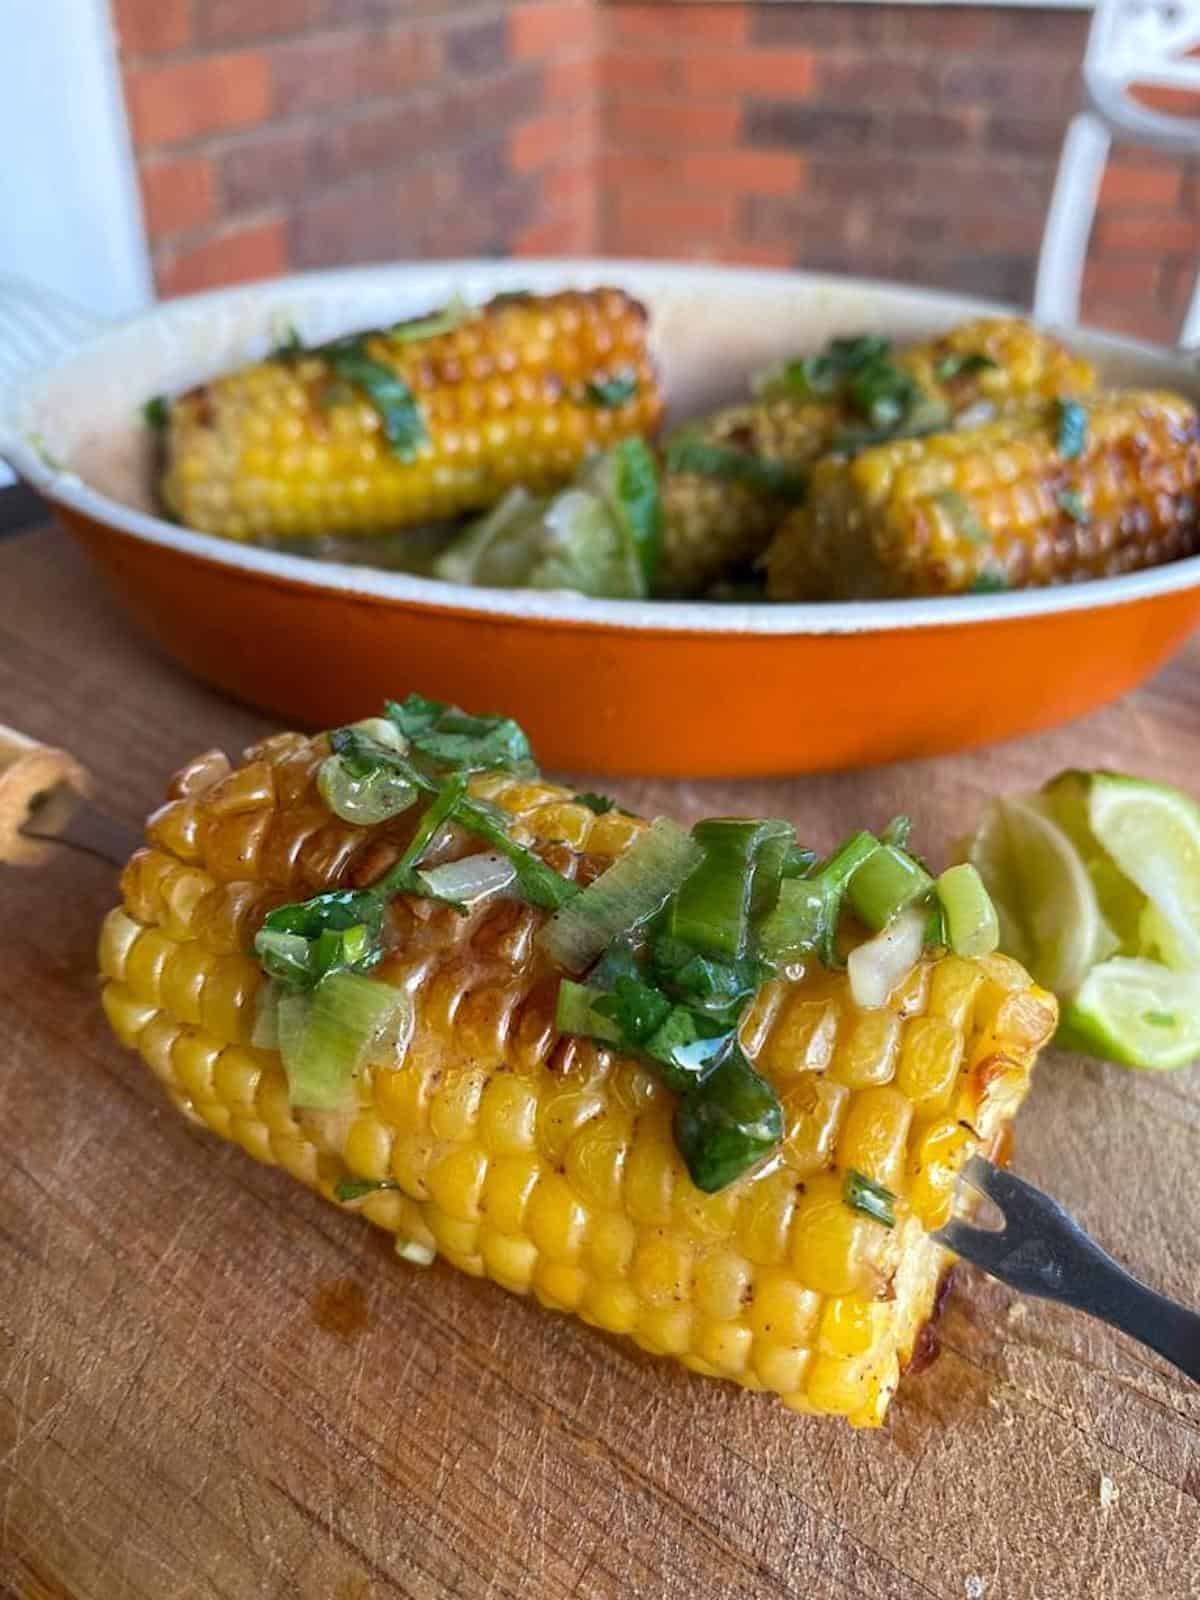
(1044, 1252)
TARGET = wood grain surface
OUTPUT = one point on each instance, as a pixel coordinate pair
(214, 1385)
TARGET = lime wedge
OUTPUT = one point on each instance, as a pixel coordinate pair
(1046, 903)
(1135, 1012)
(1152, 834)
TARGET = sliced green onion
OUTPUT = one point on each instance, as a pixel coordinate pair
(972, 926)
(863, 1194)
(346, 1015)
(1072, 429)
(576, 1013)
(452, 316)
(876, 967)
(374, 798)
(265, 1034)
(1070, 502)
(888, 882)
(728, 1123)
(736, 883)
(401, 878)
(539, 883)
(156, 413)
(613, 392)
(465, 883)
(350, 1189)
(626, 479)
(286, 956)
(806, 915)
(631, 890)
(383, 731)
(897, 832)
(963, 364)
(797, 861)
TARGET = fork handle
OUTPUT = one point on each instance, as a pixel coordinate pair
(1042, 1251)
(30, 774)
(1162, 1324)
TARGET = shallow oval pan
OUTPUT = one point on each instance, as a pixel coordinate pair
(602, 686)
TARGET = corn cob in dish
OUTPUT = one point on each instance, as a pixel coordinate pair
(1049, 495)
(413, 423)
(485, 1131)
(722, 516)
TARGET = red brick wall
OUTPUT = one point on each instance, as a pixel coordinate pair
(276, 134)
(910, 142)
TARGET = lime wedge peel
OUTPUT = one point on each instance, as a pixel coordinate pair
(1049, 913)
(1152, 833)
(1056, 862)
(1135, 1012)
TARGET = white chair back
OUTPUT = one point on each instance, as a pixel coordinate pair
(1132, 44)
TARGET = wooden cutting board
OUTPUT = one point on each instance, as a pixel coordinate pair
(214, 1385)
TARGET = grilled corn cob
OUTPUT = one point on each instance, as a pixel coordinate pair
(712, 527)
(547, 1162)
(1000, 506)
(518, 392)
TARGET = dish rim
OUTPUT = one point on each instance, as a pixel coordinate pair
(560, 608)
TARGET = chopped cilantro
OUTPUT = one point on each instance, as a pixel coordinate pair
(599, 803)
(988, 583)
(963, 364)
(611, 393)
(156, 413)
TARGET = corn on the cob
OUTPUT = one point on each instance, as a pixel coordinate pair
(712, 527)
(1000, 506)
(546, 1162)
(518, 392)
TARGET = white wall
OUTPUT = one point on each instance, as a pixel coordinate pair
(70, 216)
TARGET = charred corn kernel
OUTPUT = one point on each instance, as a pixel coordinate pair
(1000, 506)
(290, 449)
(712, 527)
(550, 1165)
